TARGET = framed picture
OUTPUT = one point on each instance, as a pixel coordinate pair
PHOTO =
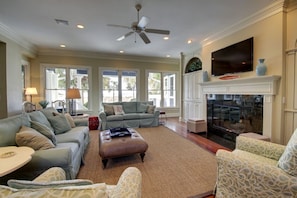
(211, 96)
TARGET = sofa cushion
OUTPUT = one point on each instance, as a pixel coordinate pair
(44, 130)
(59, 123)
(288, 160)
(70, 120)
(131, 116)
(118, 110)
(115, 117)
(129, 107)
(146, 115)
(31, 138)
(74, 136)
(94, 190)
(24, 184)
(108, 109)
(141, 108)
(38, 116)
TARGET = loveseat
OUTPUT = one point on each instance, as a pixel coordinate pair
(128, 115)
(54, 137)
(52, 183)
(257, 168)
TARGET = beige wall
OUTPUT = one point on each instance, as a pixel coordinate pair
(269, 35)
(94, 61)
(12, 71)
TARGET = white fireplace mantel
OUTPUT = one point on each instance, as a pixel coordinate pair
(259, 85)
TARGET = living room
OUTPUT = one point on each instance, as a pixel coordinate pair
(274, 34)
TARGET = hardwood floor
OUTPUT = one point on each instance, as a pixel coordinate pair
(181, 128)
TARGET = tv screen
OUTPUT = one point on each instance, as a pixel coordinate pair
(233, 59)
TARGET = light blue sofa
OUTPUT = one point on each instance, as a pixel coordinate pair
(67, 154)
(135, 116)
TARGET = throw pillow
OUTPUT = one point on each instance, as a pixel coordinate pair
(44, 130)
(108, 109)
(38, 116)
(142, 108)
(288, 160)
(59, 123)
(70, 120)
(118, 110)
(24, 184)
(31, 138)
(151, 109)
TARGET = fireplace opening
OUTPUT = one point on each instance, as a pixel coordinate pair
(231, 115)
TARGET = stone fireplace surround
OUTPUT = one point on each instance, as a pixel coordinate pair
(259, 85)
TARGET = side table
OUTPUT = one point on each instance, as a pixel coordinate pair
(12, 158)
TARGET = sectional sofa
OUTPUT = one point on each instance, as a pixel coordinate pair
(129, 115)
(64, 143)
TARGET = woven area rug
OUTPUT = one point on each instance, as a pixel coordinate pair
(173, 166)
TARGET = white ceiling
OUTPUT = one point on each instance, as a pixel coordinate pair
(34, 21)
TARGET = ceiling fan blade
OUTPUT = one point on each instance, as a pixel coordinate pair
(157, 31)
(144, 37)
(124, 36)
(121, 26)
(143, 22)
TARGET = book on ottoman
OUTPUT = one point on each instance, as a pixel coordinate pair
(119, 132)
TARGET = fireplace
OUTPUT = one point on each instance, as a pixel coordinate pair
(222, 96)
(231, 115)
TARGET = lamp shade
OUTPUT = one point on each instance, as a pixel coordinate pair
(31, 91)
(72, 94)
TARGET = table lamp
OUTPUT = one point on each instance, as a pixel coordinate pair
(31, 91)
(72, 94)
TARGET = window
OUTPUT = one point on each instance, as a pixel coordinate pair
(59, 79)
(119, 85)
(162, 88)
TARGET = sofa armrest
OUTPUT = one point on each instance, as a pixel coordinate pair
(251, 178)
(129, 184)
(157, 113)
(260, 147)
(102, 116)
(52, 174)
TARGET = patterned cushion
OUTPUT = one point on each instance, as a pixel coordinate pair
(288, 160)
(151, 109)
(44, 130)
(108, 109)
(32, 138)
(23, 184)
(94, 190)
(118, 110)
(70, 120)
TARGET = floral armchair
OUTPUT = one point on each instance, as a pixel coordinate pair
(258, 168)
(53, 183)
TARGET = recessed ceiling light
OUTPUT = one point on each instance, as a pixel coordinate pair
(166, 37)
(62, 45)
(122, 51)
(80, 26)
(168, 55)
(189, 41)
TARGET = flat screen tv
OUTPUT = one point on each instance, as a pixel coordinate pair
(235, 58)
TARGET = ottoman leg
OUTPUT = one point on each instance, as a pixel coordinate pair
(142, 156)
(104, 162)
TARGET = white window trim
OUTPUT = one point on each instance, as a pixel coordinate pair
(177, 86)
(42, 79)
(100, 79)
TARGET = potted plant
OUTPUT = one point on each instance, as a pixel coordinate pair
(43, 103)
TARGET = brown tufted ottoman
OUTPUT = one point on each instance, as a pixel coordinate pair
(121, 146)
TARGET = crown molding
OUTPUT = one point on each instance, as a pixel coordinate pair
(276, 7)
(13, 36)
(105, 56)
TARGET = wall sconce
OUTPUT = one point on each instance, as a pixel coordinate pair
(72, 94)
(30, 91)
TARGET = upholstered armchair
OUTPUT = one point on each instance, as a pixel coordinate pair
(258, 168)
(53, 183)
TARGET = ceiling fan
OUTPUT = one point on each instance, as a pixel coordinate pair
(139, 27)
